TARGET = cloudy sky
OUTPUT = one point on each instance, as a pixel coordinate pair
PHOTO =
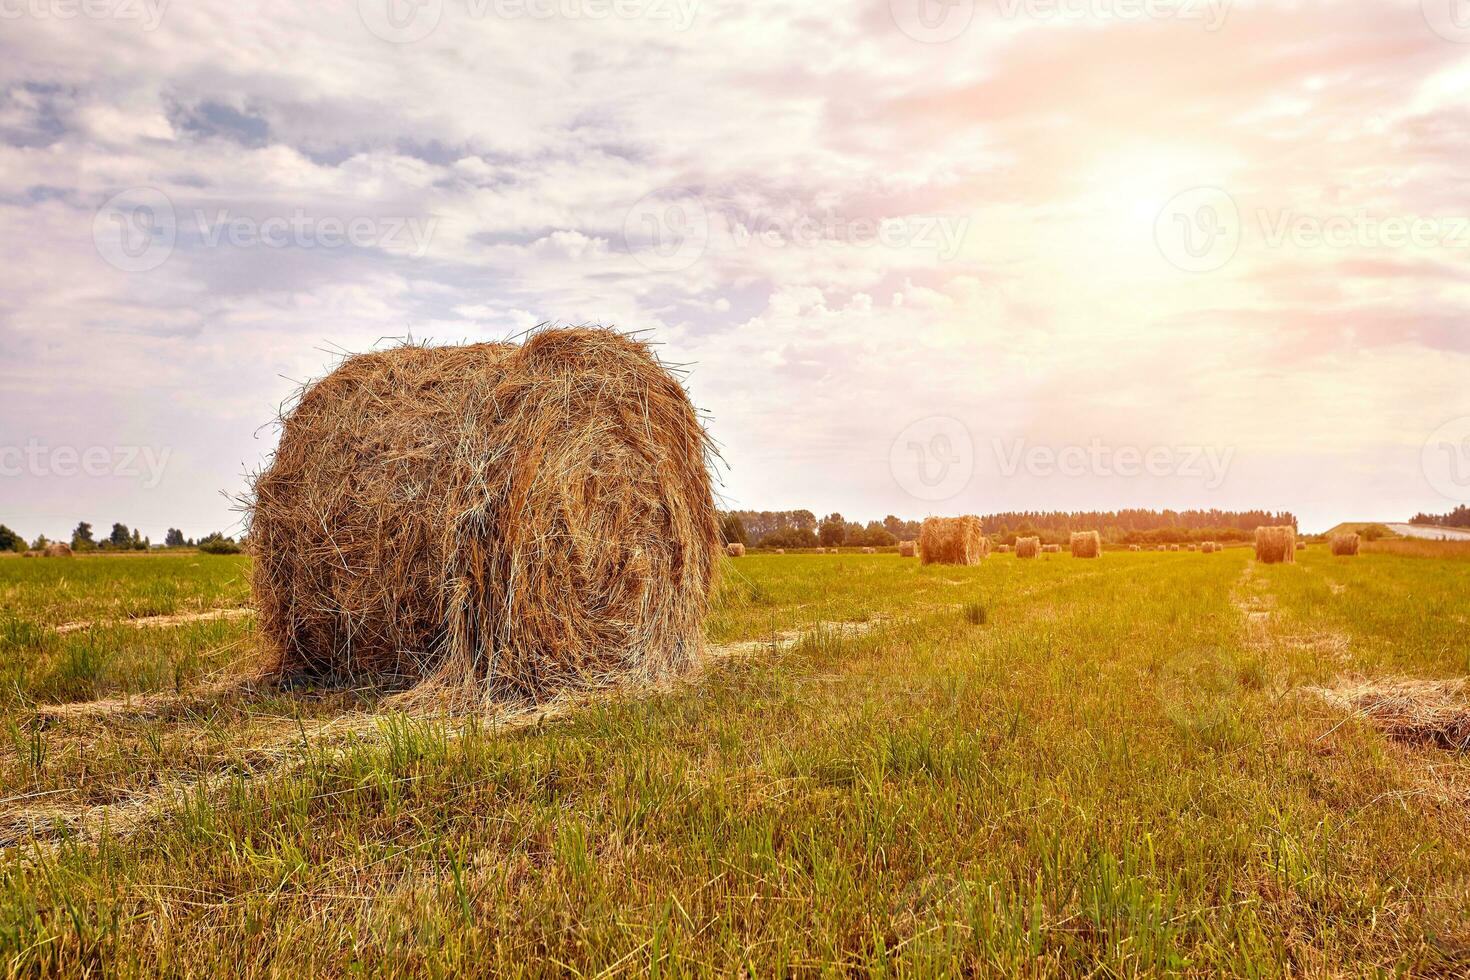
(919, 256)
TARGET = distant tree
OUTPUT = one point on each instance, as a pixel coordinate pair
(732, 530)
(120, 537)
(138, 543)
(218, 544)
(877, 535)
(832, 530)
(81, 538)
(791, 537)
(10, 541)
(174, 538)
(40, 543)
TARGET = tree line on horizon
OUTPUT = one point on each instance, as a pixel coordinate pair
(1459, 517)
(121, 538)
(803, 529)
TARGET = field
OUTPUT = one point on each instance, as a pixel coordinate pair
(1147, 764)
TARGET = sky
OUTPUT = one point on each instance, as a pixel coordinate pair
(915, 256)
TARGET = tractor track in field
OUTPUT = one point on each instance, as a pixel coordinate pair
(279, 745)
(158, 622)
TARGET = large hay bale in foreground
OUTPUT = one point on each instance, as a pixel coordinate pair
(496, 521)
(735, 549)
(1028, 547)
(1344, 544)
(952, 541)
(1276, 544)
(56, 549)
(1086, 544)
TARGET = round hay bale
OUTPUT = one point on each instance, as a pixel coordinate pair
(1134, 547)
(1005, 549)
(952, 541)
(908, 549)
(1051, 549)
(1276, 544)
(488, 521)
(870, 551)
(780, 551)
(735, 549)
(1345, 544)
(57, 549)
(1173, 547)
(1028, 547)
(1086, 544)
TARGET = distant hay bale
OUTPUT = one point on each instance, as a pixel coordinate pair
(1162, 547)
(952, 541)
(1028, 547)
(1173, 547)
(1276, 544)
(56, 549)
(1086, 544)
(1190, 547)
(1207, 547)
(1345, 544)
(31, 554)
(488, 522)
(1052, 549)
(870, 551)
(1005, 549)
(735, 549)
(908, 549)
(780, 551)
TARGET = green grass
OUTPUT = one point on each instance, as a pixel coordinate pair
(1043, 768)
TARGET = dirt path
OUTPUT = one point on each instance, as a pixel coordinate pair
(155, 622)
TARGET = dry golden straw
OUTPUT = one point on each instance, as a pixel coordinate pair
(952, 541)
(1276, 544)
(1028, 547)
(735, 549)
(488, 521)
(1086, 544)
(1344, 544)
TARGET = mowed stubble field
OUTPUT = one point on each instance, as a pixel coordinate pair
(1042, 768)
